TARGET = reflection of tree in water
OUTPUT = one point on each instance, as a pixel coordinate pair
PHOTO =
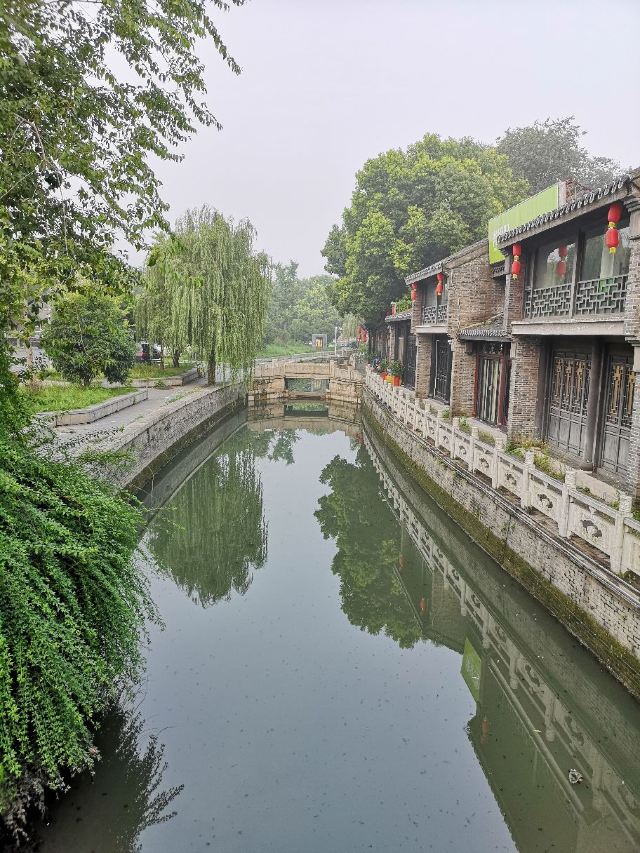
(213, 534)
(124, 798)
(275, 445)
(368, 540)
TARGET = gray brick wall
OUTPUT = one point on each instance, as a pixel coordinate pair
(526, 354)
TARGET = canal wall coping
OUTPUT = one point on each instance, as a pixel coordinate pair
(151, 441)
(596, 606)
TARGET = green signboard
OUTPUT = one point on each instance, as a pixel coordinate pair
(527, 210)
(471, 669)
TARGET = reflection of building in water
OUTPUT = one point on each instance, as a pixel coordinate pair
(531, 726)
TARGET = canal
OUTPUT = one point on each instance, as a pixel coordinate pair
(341, 669)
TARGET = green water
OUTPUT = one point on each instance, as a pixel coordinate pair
(341, 669)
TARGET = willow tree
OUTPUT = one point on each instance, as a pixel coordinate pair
(217, 288)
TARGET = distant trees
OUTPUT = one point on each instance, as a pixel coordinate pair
(300, 307)
(207, 288)
(550, 151)
(89, 334)
(410, 208)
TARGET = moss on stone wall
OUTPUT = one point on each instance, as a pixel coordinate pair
(620, 662)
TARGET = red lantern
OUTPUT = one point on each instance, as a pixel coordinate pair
(612, 238)
(563, 251)
(561, 268)
(414, 291)
(516, 251)
(615, 213)
(440, 284)
(423, 604)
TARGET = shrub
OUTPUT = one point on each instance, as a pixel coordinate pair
(88, 335)
(72, 609)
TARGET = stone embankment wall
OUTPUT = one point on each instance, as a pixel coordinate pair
(599, 608)
(156, 438)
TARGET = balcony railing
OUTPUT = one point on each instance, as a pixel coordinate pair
(594, 297)
(434, 315)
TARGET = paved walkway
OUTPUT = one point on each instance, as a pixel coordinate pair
(158, 397)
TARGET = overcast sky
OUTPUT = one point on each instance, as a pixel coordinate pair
(327, 84)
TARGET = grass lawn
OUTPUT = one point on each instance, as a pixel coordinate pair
(63, 397)
(154, 371)
(274, 350)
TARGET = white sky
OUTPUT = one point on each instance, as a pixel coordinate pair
(327, 84)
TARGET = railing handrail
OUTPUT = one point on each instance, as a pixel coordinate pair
(611, 529)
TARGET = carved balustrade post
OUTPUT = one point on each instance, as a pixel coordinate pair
(501, 443)
(624, 511)
(472, 448)
(565, 502)
(529, 464)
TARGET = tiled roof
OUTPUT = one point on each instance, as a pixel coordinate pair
(491, 329)
(438, 265)
(582, 201)
(396, 318)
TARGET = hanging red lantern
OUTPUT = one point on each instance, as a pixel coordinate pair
(615, 213)
(563, 250)
(561, 268)
(612, 237)
(516, 266)
(440, 284)
(414, 291)
(423, 604)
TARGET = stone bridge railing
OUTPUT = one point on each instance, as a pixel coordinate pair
(269, 382)
(612, 530)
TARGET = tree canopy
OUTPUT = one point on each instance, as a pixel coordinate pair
(207, 288)
(92, 94)
(300, 307)
(89, 334)
(550, 151)
(410, 208)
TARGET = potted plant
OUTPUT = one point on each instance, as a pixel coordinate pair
(396, 372)
(383, 369)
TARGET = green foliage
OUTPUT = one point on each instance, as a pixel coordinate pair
(300, 307)
(550, 151)
(409, 209)
(368, 541)
(404, 303)
(213, 534)
(88, 334)
(60, 398)
(92, 93)
(72, 606)
(208, 289)
(396, 369)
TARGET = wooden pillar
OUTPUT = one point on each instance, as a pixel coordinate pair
(593, 403)
(502, 389)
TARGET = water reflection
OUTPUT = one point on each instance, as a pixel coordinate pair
(448, 718)
(213, 535)
(368, 557)
(538, 714)
(126, 796)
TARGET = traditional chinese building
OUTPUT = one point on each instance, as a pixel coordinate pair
(401, 345)
(572, 294)
(450, 296)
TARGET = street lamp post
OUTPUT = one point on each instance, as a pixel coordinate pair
(335, 339)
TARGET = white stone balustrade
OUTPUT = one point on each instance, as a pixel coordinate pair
(610, 529)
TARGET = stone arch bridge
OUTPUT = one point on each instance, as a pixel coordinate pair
(334, 380)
